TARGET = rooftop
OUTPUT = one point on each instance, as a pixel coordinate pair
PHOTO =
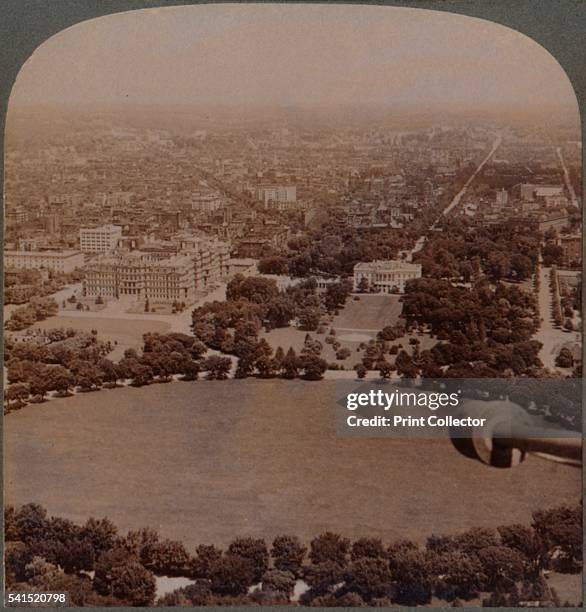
(386, 264)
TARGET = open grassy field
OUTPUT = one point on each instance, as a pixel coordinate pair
(126, 332)
(368, 314)
(208, 461)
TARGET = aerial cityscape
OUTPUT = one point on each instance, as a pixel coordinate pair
(187, 278)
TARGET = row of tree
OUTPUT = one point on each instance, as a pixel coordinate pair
(78, 363)
(53, 554)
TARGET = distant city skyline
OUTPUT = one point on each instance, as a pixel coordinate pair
(294, 56)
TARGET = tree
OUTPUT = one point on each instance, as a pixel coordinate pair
(102, 534)
(363, 285)
(62, 380)
(76, 555)
(308, 318)
(360, 370)
(343, 353)
(385, 369)
(521, 266)
(369, 577)
(277, 581)
(206, 557)
(143, 543)
(231, 575)
(290, 366)
(218, 368)
(108, 372)
(476, 538)
(371, 548)
(278, 359)
(142, 375)
(413, 578)
(288, 554)
(461, 576)
(30, 523)
(87, 374)
(121, 575)
(17, 393)
(561, 531)
(300, 265)
(336, 295)
(405, 365)
(313, 367)
(273, 265)
(169, 558)
(190, 370)
(252, 288)
(329, 547)
(322, 577)
(17, 555)
(279, 312)
(529, 543)
(39, 386)
(502, 567)
(255, 551)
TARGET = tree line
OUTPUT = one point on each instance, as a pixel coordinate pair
(500, 566)
(64, 361)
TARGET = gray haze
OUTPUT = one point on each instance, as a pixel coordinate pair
(254, 56)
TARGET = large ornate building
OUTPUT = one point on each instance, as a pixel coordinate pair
(388, 276)
(160, 272)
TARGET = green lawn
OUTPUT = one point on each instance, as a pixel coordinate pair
(207, 461)
(370, 312)
(359, 321)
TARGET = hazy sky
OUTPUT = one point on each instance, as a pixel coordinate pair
(296, 55)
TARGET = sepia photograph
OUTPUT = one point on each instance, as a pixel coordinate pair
(292, 312)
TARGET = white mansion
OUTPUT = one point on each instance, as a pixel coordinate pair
(387, 276)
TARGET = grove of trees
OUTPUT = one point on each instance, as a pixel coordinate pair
(254, 303)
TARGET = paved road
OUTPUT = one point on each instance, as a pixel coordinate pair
(460, 194)
(457, 198)
(550, 337)
(569, 185)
